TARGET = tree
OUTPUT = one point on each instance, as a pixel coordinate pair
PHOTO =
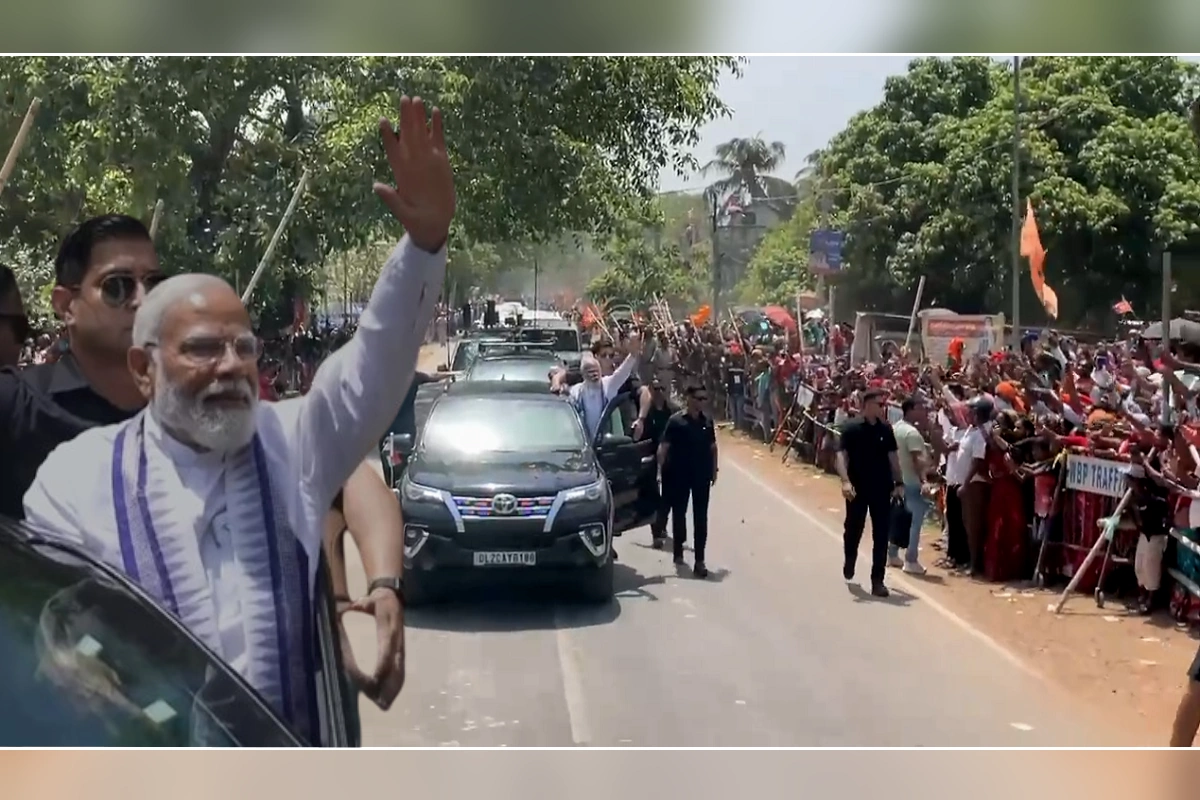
(921, 184)
(778, 268)
(540, 146)
(643, 267)
(745, 167)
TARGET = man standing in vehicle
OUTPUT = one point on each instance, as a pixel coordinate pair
(601, 383)
(207, 477)
(870, 471)
(687, 462)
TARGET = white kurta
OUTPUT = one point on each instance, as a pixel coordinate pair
(312, 445)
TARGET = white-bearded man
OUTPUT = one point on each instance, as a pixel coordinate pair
(214, 503)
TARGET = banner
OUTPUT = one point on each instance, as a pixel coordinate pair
(981, 333)
(1098, 475)
(825, 252)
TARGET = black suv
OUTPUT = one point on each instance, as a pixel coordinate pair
(503, 483)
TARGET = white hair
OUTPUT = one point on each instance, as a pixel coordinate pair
(148, 321)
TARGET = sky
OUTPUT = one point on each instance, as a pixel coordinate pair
(801, 101)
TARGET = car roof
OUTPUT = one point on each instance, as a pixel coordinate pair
(539, 390)
(533, 354)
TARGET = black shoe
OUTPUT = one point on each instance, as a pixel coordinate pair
(659, 542)
(848, 570)
(679, 558)
(700, 571)
(613, 550)
(879, 590)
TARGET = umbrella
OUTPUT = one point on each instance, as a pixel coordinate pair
(1184, 330)
(780, 316)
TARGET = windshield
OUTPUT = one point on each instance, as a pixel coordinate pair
(88, 663)
(464, 427)
(561, 339)
(512, 369)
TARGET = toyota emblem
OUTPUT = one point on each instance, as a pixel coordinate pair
(504, 504)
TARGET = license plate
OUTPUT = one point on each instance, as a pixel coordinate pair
(506, 559)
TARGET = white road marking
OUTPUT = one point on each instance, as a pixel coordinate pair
(568, 666)
(1021, 726)
(904, 583)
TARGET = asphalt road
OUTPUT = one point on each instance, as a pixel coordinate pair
(774, 649)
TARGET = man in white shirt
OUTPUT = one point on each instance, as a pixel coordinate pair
(592, 396)
(215, 504)
(974, 484)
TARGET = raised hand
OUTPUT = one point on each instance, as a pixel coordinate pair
(422, 199)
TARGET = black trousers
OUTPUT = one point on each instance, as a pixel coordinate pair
(878, 504)
(678, 492)
(957, 549)
(662, 510)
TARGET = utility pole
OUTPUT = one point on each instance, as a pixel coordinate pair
(535, 282)
(716, 256)
(1016, 205)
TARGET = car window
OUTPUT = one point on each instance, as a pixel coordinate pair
(515, 369)
(459, 427)
(87, 662)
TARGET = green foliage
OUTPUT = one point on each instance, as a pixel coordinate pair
(778, 269)
(642, 266)
(922, 183)
(540, 146)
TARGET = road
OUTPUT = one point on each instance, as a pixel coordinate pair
(774, 649)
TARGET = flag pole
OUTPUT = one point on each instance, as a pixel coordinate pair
(1016, 205)
(10, 161)
(287, 215)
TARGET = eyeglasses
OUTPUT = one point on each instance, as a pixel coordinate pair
(117, 289)
(18, 324)
(211, 349)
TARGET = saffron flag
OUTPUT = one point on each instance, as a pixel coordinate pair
(1031, 248)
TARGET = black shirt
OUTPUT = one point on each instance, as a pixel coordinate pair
(689, 443)
(656, 421)
(40, 408)
(867, 447)
(735, 380)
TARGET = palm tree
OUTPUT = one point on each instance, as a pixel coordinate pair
(745, 165)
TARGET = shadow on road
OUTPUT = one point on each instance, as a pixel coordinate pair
(896, 597)
(501, 608)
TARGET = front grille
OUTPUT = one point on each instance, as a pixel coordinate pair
(481, 508)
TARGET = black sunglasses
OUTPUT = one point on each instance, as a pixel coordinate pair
(118, 288)
(19, 325)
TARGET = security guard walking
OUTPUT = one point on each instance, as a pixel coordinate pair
(687, 462)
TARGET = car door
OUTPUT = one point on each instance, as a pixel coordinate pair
(629, 465)
(335, 701)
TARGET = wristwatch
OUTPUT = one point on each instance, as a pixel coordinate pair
(395, 584)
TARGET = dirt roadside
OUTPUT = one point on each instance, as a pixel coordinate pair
(1129, 668)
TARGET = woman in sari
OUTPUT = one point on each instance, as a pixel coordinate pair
(1004, 547)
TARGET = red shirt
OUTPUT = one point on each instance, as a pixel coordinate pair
(265, 390)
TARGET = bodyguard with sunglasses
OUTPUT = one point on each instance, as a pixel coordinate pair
(687, 462)
(103, 269)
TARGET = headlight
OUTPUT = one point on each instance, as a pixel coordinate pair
(591, 492)
(418, 493)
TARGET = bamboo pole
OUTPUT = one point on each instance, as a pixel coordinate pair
(10, 161)
(156, 219)
(287, 215)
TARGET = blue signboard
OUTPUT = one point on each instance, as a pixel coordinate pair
(825, 251)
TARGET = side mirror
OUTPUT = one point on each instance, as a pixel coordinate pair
(611, 440)
(402, 444)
